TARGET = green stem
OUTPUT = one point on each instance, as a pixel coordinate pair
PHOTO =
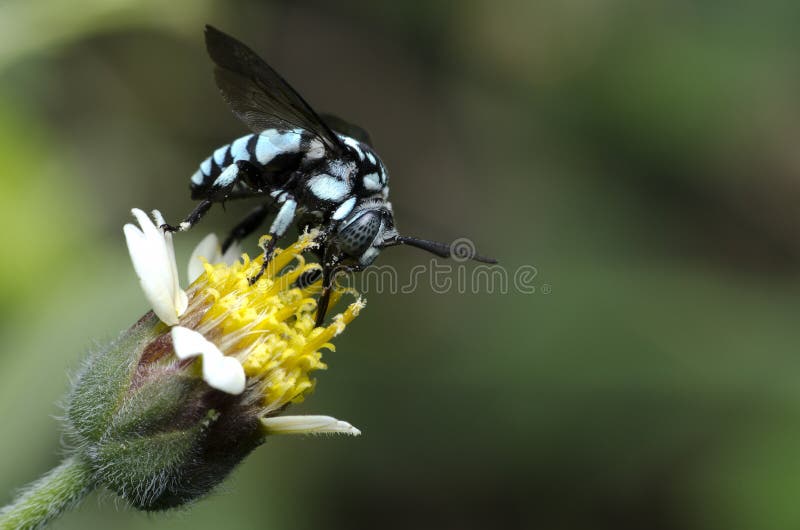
(42, 501)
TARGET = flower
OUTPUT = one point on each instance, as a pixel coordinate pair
(167, 411)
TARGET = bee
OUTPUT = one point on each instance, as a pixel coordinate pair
(314, 167)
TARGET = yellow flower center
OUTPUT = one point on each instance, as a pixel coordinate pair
(268, 326)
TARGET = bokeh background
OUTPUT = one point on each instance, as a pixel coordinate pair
(643, 156)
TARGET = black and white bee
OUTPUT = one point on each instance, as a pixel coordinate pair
(303, 163)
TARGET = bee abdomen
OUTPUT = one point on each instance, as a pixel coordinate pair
(269, 150)
(240, 149)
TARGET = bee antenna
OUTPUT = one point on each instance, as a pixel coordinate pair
(443, 250)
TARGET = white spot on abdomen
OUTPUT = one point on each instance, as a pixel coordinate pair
(328, 188)
(227, 177)
(219, 155)
(205, 167)
(239, 149)
(197, 178)
(271, 143)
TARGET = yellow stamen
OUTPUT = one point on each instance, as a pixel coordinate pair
(268, 326)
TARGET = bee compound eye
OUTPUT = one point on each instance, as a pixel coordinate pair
(358, 235)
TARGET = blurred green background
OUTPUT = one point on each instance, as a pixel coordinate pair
(643, 156)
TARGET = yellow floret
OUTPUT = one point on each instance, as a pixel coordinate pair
(269, 326)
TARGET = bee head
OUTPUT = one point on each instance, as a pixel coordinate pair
(370, 228)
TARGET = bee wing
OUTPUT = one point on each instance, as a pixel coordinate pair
(353, 131)
(258, 95)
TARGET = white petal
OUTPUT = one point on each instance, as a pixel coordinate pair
(223, 373)
(189, 343)
(149, 268)
(209, 249)
(233, 254)
(180, 300)
(220, 372)
(153, 258)
(307, 425)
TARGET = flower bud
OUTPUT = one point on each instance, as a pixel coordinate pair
(154, 432)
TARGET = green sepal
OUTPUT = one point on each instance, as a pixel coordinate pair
(105, 377)
(145, 469)
(158, 404)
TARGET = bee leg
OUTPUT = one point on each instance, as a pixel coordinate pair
(269, 248)
(278, 228)
(246, 226)
(325, 296)
(191, 219)
(220, 190)
(330, 270)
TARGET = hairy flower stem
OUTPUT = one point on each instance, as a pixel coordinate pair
(42, 501)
